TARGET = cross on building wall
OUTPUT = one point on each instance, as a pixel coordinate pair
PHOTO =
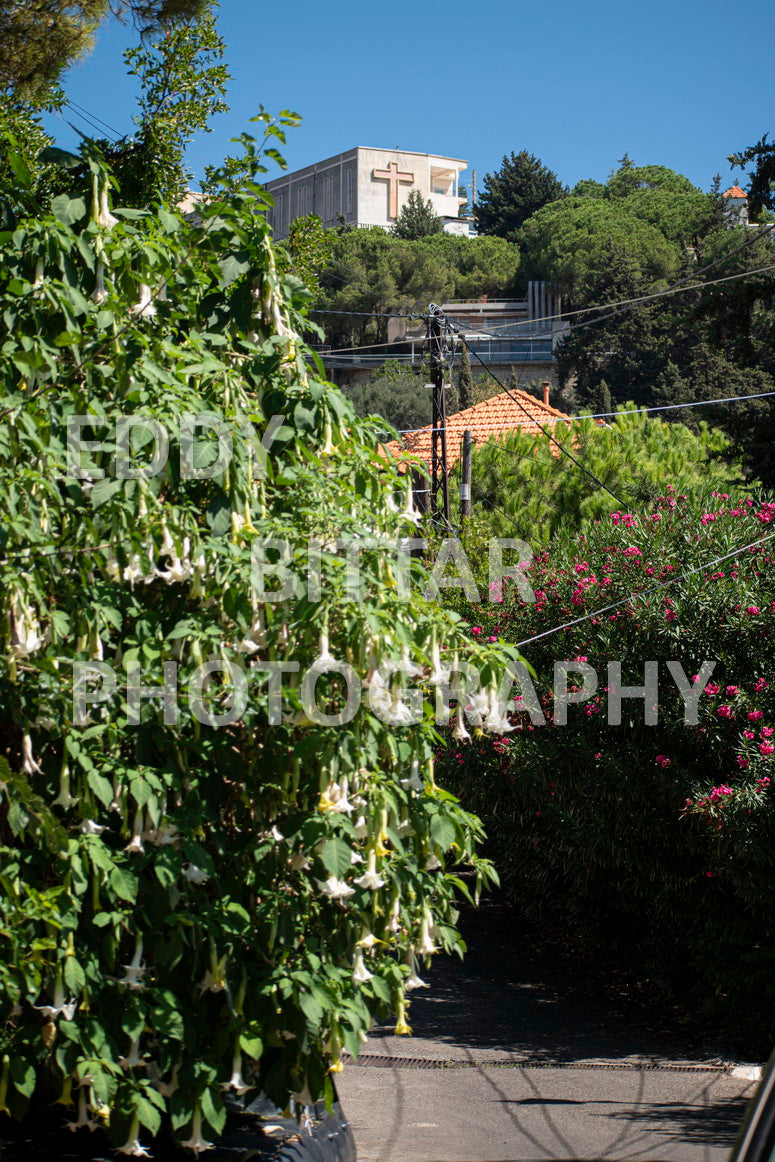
(392, 176)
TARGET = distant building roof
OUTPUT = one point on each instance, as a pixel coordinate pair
(735, 192)
(485, 421)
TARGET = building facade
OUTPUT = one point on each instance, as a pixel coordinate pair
(368, 187)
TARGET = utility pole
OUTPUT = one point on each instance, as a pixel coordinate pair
(465, 479)
(439, 498)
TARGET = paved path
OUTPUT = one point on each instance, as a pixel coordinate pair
(514, 1059)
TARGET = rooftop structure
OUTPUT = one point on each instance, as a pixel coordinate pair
(485, 421)
(368, 187)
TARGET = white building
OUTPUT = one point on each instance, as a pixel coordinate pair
(368, 187)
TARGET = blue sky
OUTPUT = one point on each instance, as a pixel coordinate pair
(676, 82)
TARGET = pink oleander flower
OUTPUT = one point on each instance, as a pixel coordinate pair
(477, 629)
(766, 732)
(766, 749)
(760, 685)
(742, 763)
(752, 610)
(711, 687)
(754, 715)
(748, 734)
(670, 616)
(732, 690)
(724, 711)
(662, 760)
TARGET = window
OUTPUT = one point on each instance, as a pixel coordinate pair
(348, 192)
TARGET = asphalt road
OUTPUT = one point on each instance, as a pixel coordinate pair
(515, 1058)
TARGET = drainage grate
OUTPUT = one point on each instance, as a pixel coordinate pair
(386, 1061)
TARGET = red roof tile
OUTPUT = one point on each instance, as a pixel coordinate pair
(735, 192)
(487, 420)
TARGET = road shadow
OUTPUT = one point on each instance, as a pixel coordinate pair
(513, 993)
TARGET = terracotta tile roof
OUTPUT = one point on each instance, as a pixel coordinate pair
(485, 421)
(735, 192)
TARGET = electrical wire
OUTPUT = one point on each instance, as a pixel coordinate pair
(761, 231)
(666, 407)
(93, 116)
(644, 592)
(543, 429)
(88, 119)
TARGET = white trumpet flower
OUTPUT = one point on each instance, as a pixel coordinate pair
(459, 732)
(194, 874)
(361, 973)
(30, 766)
(426, 947)
(135, 845)
(144, 307)
(371, 878)
(104, 216)
(132, 1145)
(26, 637)
(60, 1007)
(133, 1059)
(84, 1122)
(236, 1081)
(89, 827)
(100, 292)
(196, 1142)
(335, 888)
(136, 970)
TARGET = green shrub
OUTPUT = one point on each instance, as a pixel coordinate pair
(188, 910)
(656, 839)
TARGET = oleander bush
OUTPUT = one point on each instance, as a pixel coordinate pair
(210, 892)
(657, 840)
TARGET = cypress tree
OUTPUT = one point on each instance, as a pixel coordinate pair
(465, 381)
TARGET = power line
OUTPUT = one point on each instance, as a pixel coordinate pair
(371, 314)
(761, 231)
(364, 346)
(562, 316)
(666, 407)
(644, 592)
(85, 112)
(88, 119)
(543, 429)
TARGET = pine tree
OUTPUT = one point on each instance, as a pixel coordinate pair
(40, 38)
(510, 195)
(417, 219)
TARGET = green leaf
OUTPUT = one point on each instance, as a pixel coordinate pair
(311, 1008)
(75, 977)
(148, 1114)
(23, 1076)
(101, 787)
(53, 155)
(124, 884)
(21, 169)
(219, 515)
(304, 418)
(336, 856)
(104, 490)
(213, 1110)
(68, 210)
(251, 1044)
(443, 831)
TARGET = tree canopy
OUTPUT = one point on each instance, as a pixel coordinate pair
(374, 274)
(509, 196)
(573, 241)
(39, 39)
